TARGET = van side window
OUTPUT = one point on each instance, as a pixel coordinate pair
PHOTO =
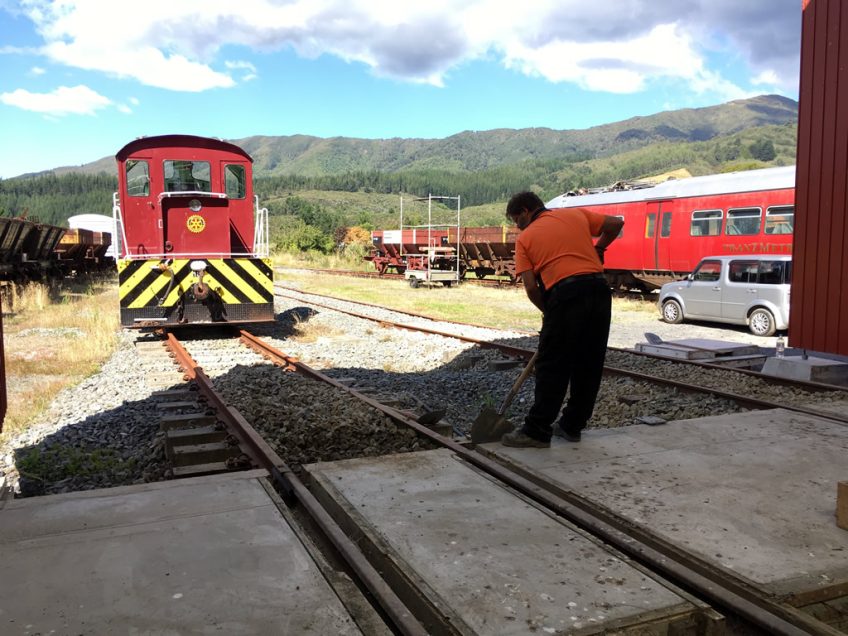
(706, 223)
(780, 219)
(743, 221)
(771, 272)
(742, 272)
(709, 271)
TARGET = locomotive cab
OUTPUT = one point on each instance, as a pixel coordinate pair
(193, 240)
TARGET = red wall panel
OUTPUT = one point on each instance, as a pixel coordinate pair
(819, 313)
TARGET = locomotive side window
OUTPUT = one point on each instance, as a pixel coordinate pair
(665, 230)
(650, 225)
(780, 219)
(187, 176)
(705, 223)
(708, 271)
(138, 178)
(743, 221)
(234, 181)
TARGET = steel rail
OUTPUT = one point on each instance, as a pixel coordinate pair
(684, 569)
(291, 485)
(526, 354)
(802, 384)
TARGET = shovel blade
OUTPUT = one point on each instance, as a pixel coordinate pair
(489, 426)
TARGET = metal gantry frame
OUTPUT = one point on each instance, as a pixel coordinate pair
(430, 227)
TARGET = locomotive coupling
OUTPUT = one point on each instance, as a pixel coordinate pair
(199, 289)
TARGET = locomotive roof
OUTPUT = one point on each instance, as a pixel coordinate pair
(733, 182)
(179, 141)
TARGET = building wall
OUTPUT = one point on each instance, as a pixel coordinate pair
(819, 310)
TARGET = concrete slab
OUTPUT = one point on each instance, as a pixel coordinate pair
(492, 562)
(199, 556)
(810, 370)
(751, 492)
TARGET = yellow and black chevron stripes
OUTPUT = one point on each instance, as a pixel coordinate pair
(235, 280)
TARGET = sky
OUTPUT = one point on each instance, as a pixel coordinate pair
(81, 78)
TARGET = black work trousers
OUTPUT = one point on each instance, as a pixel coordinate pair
(572, 349)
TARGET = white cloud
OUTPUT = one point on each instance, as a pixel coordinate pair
(767, 77)
(65, 100)
(175, 45)
(37, 70)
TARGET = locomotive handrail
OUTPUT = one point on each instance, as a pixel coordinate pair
(193, 193)
(118, 222)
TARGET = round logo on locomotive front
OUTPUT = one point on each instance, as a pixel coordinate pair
(195, 223)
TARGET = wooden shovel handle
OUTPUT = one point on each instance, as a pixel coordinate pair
(518, 384)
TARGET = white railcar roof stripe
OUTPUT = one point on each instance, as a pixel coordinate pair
(730, 183)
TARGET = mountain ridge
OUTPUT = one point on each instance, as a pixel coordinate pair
(470, 150)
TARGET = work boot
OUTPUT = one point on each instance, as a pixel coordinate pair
(519, 439)
(568, 436)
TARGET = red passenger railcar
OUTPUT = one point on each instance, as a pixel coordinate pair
(193, 240)
(671, 226)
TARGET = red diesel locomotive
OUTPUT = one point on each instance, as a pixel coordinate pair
(193, 242)
(671, 226)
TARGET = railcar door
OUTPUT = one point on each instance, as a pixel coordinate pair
(656, 246)
(141, 218)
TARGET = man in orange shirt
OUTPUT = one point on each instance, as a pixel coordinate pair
(562, 272)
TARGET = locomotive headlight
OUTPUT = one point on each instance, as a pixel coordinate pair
(194, 205)
(197, 266)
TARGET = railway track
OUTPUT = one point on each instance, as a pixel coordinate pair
(720, 589)
(501, 283)
(759, 391)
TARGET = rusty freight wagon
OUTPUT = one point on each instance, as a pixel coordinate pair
(486, 251)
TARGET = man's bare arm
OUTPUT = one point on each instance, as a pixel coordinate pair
(609, 231)
(532, 289)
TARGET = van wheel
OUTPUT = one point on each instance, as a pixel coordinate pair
(414, 283)
(761, 323)
(672, 312)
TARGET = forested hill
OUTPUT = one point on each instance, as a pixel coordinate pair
(302, 155)
(313, 156)
(308, 177)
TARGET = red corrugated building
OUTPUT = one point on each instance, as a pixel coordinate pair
(819, 312)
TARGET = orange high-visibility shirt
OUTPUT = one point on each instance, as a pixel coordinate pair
(558, 244)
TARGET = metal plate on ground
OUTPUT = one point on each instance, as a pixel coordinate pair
(753, 493)
(198, 556)
(486, 559)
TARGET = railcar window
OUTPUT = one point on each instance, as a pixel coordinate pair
(650, 225)
(706, 223)
(709, 271)
(742, 271)
(138, 178)
(187, 176)
(780, 219)
(665, 230)
(234, 181)
(743, 221)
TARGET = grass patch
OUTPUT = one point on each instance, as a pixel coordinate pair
(503, 308)
(53, 337)
(56, 464)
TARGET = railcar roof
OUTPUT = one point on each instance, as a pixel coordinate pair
(179, 141)
(733, 182)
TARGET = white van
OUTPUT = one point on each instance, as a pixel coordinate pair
(742, 290)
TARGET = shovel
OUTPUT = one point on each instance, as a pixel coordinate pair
(490, 424)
